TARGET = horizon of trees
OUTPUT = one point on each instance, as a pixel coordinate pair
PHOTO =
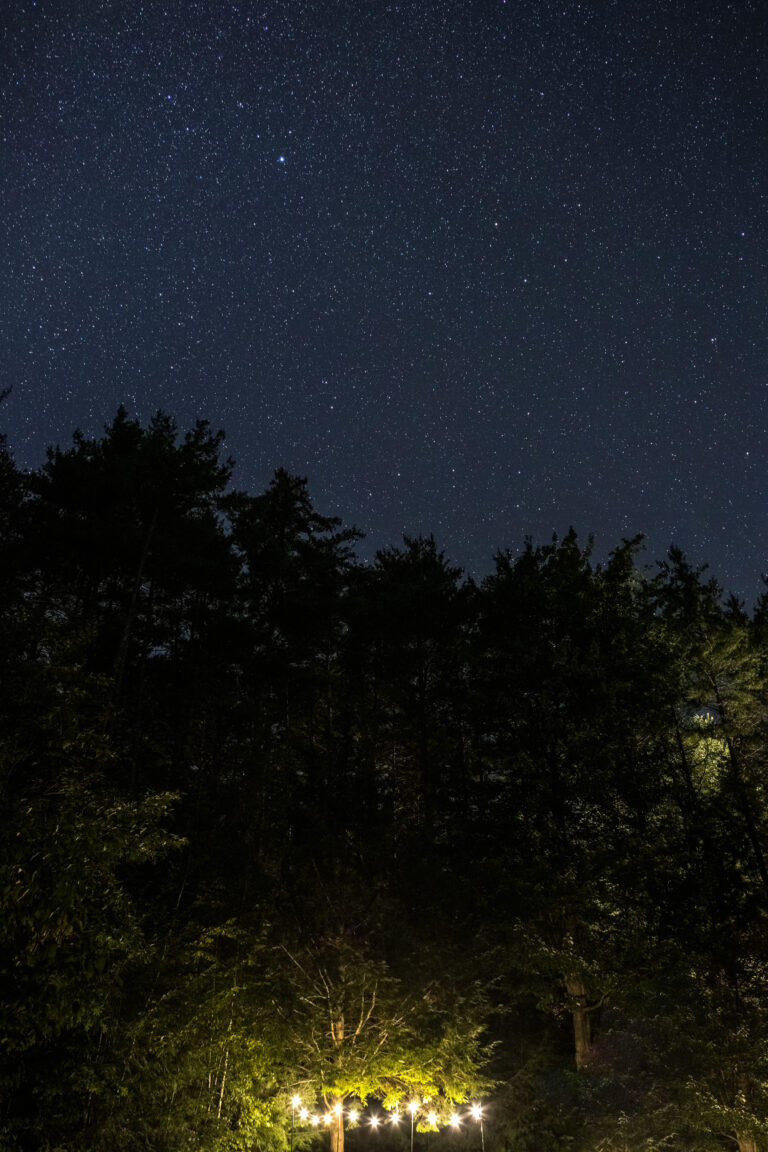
(273, 821)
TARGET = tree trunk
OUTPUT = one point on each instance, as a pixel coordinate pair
(582, 1025)
(745, 1143)
(337, 1123)
(337, 1133)
(223, 1082)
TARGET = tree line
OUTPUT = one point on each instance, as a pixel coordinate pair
(277, 823)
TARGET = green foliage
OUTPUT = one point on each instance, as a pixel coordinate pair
(68, 925)
(271, 821)
(354, 1030)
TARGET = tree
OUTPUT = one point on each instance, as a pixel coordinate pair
(571, 673)
(70, 929)
(356, 1031)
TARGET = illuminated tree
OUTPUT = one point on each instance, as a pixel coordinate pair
(356, 1032)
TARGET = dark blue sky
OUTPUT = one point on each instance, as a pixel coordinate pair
(485, 269)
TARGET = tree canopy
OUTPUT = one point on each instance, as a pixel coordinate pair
(278, 823)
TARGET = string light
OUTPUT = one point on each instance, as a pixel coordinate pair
(338, 1112)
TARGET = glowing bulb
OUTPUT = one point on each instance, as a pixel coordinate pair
(455, 1119)
(295, 1101)
(303, 1114)
(395, 1117)
(315, 1121)
(353, 1116)
(337, 1109)
(413, 1107)
(327, 1118)
(476, 1111)
(432, 1118)
(374, 1121)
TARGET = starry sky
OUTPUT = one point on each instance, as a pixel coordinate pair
(481, 268)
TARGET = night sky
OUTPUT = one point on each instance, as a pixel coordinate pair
(480, 268)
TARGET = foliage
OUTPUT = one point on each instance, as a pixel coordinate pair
(272, 820)
(357, 1032)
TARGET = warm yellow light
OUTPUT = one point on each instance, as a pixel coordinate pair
(353, 1116)
(296, 1100)
(338, 1109)
(432, 1118)
(327, 1118)
(413, 1107)
(315, 1120)
(455, 1119)
(374, 1121)
(395, 1117)
(476, 1111)
(303, 1114)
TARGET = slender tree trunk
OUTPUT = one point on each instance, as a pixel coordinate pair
(746, 1143)
(337, 1132)
(338, 1028)
(582, 1025)
(224, 1075)
(223, 1082)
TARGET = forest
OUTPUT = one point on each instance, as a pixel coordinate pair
(285, 835)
